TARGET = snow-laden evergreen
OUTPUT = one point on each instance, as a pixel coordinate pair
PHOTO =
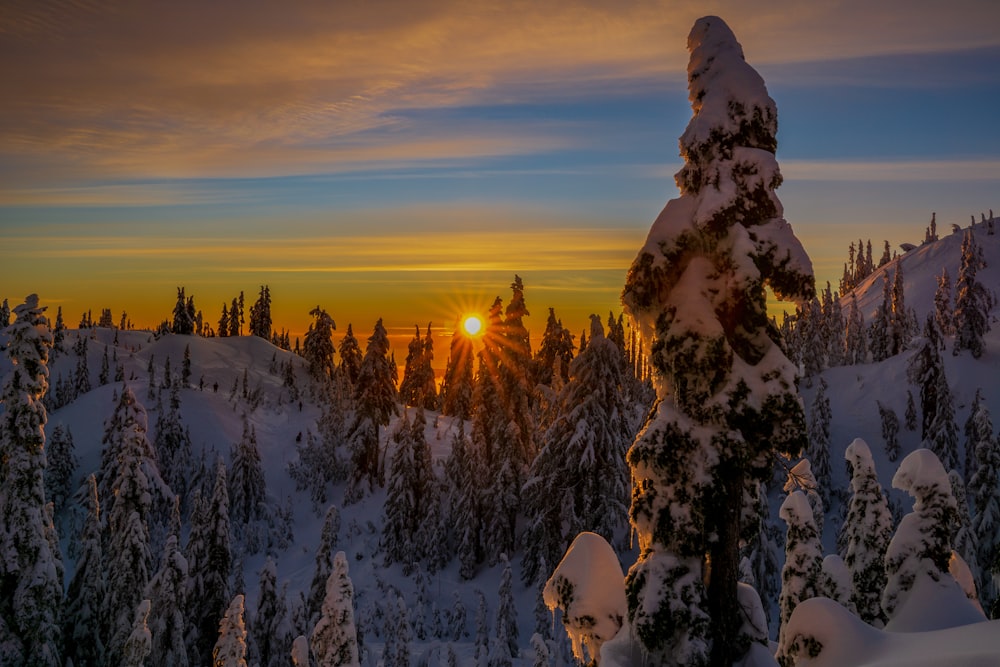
(83, 628)
(801, 575)
(939, 432)
(696, 292)
(165, 592)
(230, 648)
(138, 646)
(334, 640)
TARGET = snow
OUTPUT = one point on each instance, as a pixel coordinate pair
(588, 586)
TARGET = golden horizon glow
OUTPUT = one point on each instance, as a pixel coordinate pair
(472, 325)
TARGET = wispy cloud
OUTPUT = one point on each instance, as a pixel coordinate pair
(892, 170)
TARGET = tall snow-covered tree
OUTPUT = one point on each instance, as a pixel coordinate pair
(172, 444)
(867, 531)
(334, 640)
(231, 647)
(411, 386)
(555, 351)
(939, 433)
(31, 571)
(696, 292)
(183, 318)
(985, 501)
(972, 302)
(856, 336)
(248, 510)
(83, 618)
(921, 546)
(890, 430)
(350, 357)
(60, 470)
(943, 313)
(166, 594)
(376, 403)
(324, 563)
(964, 541)
(260, 314)
(400, 508)
(818, 450)
(318, 347)
(139, 643)
(270, 634)
(899, 328)
(209, 559)
(506, 626)
(583, 461)
(800, 577)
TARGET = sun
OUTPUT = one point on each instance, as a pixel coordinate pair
(472, 325)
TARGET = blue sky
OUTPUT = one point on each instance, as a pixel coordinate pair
(404, 160)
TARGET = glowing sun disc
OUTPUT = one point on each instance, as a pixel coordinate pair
(472, 325)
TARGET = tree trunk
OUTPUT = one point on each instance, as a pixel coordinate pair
(723, 605)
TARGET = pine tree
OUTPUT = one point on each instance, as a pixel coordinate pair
(800, 576)
(105, 375)
(85, 598)
(183, 323)
(186, 367)
(173, 448)
(506, 626)
(972, 302)
(867, 531)
(166, 593)
(410, 388)
(334, 641)
(921, 546)
(856, 337)
(324, 563)
(248, 492)
(985, 501)
(31, 569)
(81, 378)
(350, 357)
(942, 303)
(482, 629)
(318, 347)
(269, 631)
(139, 643)
(899, 331)
(210, 564)
(890, 430)
(964, 542)
(235, 318)
(555, 352)
(400, 501)
(911, 412)
(231, 647)
(224, 322)
(427, 384)
(727, 393)
(260, 314)
(60, 470)
(939, 433)
(878, 336)
(818, 451)
(376, 404)
(457, 384)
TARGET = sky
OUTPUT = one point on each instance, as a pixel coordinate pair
(404, 159)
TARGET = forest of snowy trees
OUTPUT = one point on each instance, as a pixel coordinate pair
(676, 487)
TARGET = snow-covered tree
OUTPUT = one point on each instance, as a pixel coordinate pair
(60, 470)
(818, 450)
(801, 478)
(964, 541)
(696, 292)
(926, 369)
(942, 304)
(270, 635)
(173, 447)
(324, 563)
(400, 507)
(318, 346)
(506, 622)
(582, 464)
(209, 566)
(231, 647)
(921, 546)
(985, 500)
(555, 353)
(376, 404)
(260, 314)
(972, 302)
(83, 618)
(248, 510)
(835, 581)
(459, 376)
(183, 317)
(350, 357)
(856, 335)
(890, 430)
(166, 594)
(911, 412)
(867, 531)
(334, 641)
(800, 577)
(139, 643)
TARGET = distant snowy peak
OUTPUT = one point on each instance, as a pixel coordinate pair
(921, 267)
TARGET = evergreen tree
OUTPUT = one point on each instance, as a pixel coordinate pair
(334, 641)
(899, 331)
(324, 563)
(186, 366)
(139, 643)
(166, 593)
(818, 451)
(260, 314)
(457, 384)
(867, 531)
(83, 620)
(411, 388)
(555, 352)
(978, 428)
(911, 412)
(939, 432)
(269, 631)
(224, 322)
(235, 318)
(248, 492)
(209, 566)
(727, 393)
(985, 501)
(183, 322)
(856, 337)
(428, 386)
(376, 404)
(964, 542)
(506, 626)
(350, 357)
(105, 375)
(31, 572)
(890, 430)
(60, 470)
(921, 546)
(942, 303)
(318, 347)
(231, 647)
(81, 378)
(800, 577)
(972, 302)
(879, 334)
(400, 501)
(173, 448)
